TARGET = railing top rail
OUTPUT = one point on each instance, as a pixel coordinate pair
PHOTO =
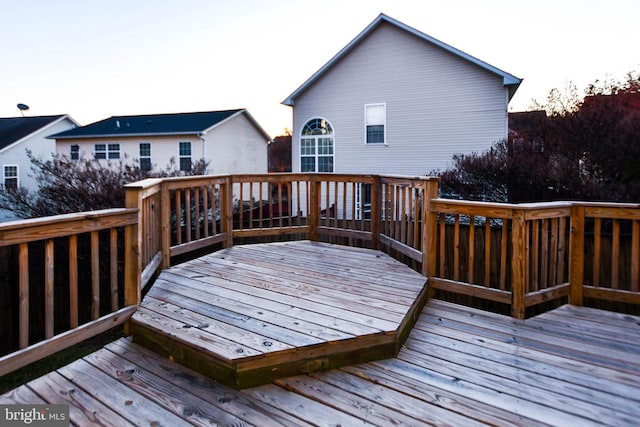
(27, 230)
(144, 184)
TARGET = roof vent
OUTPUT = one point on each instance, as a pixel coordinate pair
(118, 124)
(149, 122)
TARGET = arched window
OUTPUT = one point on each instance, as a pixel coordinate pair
(316, 146)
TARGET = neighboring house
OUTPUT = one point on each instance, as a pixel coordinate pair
(231, 140)
(397, 101)
(19, 134)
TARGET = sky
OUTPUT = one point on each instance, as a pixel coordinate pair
(95, 59)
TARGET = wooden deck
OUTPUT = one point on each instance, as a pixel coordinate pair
(249, 314)
(573, 366)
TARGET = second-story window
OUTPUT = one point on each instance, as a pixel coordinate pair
(184, 150)
(145, 156)
(375, 117)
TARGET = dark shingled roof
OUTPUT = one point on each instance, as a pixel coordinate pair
(153, 124)
(13, 129)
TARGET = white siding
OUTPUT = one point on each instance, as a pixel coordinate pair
(40, 146)
(234, 146)
(437, 104)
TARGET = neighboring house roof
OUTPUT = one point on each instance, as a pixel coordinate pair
(157, 125)
(509, 80)
(15, 129)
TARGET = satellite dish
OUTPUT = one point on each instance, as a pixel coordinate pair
(22, 108)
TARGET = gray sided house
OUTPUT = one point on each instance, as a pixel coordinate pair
(397, 101)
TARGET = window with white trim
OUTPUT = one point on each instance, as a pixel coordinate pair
(375, 119)
(184, 152)
(106, 151)
(145, 156)
(74, 152)
(10, 177)
(316, 146)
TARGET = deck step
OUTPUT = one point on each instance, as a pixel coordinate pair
(247, 315)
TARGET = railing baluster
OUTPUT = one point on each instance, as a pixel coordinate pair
(95, 275)
(178, 199)
(553, 268)
(187, 213)
(113, 267)
(472, 248)
(544, 248)
(23, 294)
(487, 251)
(73, 281)
(196, 219)
(635, 256)
(456, 248)
(503, 254)
(535, 257)
(562, 245)
(597, 232)
(615, 255)
(48, 289)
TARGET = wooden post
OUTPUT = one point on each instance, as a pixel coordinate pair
(314, 206)
(132, 256)
(518, 263)
(164, 228)
(429, 228)
(576, 256)
(376, 211)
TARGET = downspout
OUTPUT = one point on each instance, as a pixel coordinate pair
(202, 136)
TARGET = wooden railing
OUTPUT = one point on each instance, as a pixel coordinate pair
(520, 255)
(527, 254)
(517, 255)
(66, 278)
(181, 215)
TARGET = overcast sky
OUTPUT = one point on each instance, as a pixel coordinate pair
(95, 59)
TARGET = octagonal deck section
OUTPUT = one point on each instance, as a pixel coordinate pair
(249, 314)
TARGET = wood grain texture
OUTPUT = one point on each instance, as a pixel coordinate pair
(460, 366)
(264, 311)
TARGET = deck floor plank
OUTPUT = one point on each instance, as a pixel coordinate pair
(242, 292)
(468, 377)
(125, 401)
(573, 366)
(517, 330)
(188, 381)
(269, 310)
(297, 274)
(84, 409)
(351, 302)
(494, 356)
